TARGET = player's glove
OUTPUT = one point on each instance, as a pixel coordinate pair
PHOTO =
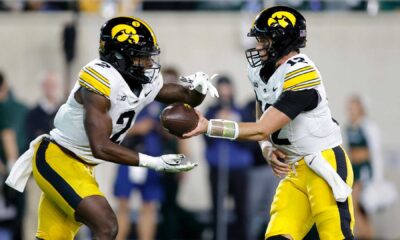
(200, 82)
(166, 163)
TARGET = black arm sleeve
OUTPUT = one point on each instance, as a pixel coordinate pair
(292, 103)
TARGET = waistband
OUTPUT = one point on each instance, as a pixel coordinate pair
(67, 151)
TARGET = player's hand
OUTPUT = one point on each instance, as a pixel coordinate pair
(174, 163)
(199, 81)
(201, 127)
(275, 159)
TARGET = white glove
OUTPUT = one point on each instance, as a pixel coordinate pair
(199, 82)
(166, 163)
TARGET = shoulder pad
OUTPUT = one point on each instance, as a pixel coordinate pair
(300, 74)
(96, 76)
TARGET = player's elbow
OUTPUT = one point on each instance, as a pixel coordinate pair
(98, 150)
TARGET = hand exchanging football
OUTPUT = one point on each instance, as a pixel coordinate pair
(201, 127)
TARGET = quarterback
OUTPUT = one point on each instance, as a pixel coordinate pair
(102, 106)
(296, 131)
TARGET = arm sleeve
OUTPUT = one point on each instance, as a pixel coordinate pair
(292, 103)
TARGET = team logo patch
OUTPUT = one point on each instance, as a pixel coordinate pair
(125, 32)
(282, 18)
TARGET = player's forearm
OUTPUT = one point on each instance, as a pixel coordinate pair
(195, 98)
(252, 131)
(112, 152)
(192, 97)
(172, 93)
(270, 121)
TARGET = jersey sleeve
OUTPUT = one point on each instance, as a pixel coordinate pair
(292, 103)
(301, 77)
(93, 80)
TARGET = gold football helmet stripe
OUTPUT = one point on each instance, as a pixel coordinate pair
(302, 78)
(95, 83)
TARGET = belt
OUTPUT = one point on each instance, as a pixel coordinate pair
(67, 151)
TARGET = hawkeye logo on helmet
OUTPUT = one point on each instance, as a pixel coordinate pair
(282, 18)
(125, 32)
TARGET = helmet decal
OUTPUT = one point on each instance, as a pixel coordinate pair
(124, 32)
(282, 18)
(129, 45)
(285, 27)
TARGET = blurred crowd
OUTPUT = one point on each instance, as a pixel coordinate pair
(100, 6)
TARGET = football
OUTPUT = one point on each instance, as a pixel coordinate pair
(179, 118)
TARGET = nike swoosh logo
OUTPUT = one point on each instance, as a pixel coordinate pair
(274, 89)
(147, 93)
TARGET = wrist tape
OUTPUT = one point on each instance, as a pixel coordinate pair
(219, 128)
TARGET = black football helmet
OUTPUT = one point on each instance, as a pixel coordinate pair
(284, 26)
(130, 45)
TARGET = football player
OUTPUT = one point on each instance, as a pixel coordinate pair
(102, 106)
(296, 131)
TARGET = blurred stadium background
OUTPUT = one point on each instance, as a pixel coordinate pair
(354, 43)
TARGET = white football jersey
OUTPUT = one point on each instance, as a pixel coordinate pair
(102, 78)
(311, 131)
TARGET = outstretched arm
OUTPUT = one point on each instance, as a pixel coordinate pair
(286, 108)
(270, 121)
(98, 126)
(193, 92)
(172, 92)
